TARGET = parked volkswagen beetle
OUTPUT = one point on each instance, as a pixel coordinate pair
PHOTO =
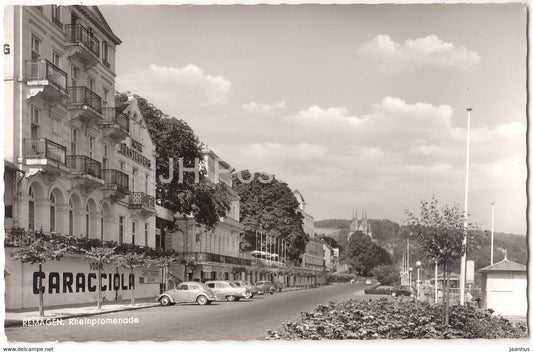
(187, 292)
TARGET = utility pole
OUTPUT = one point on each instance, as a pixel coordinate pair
(463, 258)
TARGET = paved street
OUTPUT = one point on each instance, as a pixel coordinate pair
(243, 320)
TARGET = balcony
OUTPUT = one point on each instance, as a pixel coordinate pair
(116, 182)
(85, 105)
(115, 125)
(142, 201)
(82, 45)
(46, 80)
(213, 258)
(45, 155)
(85, 169)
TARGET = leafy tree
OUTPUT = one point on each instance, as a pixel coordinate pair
(164, 260)
(387, 274)
(272, 207)
(440, 232)
(363, 254)
(131, 261)
(36, 249)
(101, 255)
(330, 241)
(175, 140)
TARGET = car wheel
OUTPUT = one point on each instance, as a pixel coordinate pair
(394, 294)
(165, 301)
(230, 298)
(249, 295)
(202, 300)
(272, 291)
(237, 299)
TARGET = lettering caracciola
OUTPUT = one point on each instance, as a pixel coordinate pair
(67, 282)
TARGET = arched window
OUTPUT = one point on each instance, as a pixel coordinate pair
(31, 210)
(70, 218)
(87, 220)
(52, 212)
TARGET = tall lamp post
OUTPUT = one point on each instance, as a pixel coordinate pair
(492, 238)
(418, 263)
(463, 258)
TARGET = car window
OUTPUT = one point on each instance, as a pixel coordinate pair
(219, 285)
(182, 287)
(211, 285)
(194, 287)
(237, 283)
(232, 284)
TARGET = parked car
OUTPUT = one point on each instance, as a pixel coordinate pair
(368, 282)
(265, 287)
(227, 290)
(403, 291)
(252, 290)
(187, 292)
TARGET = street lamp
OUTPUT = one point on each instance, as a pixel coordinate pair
(418, 263)
(463, 258)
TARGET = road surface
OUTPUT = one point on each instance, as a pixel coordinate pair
(243, 320)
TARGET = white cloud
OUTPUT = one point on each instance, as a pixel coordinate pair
(253, 106)
(186, 85)
(317, 115)
(512, 130)
(428, 51)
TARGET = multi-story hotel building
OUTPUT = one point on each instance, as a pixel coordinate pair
(76, 163)
(216, 253)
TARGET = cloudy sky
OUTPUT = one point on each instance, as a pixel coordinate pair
(356, 106)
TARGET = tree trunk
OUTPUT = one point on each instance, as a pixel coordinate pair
(165, 277)
(41, 293)
(132, 289)
(99, 302)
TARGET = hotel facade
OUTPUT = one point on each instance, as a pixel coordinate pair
(76, 163)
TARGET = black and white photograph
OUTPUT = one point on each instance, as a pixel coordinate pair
(265, 173)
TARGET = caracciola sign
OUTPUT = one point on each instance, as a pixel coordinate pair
(68, 282)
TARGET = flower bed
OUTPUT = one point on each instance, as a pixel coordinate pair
(382, 319)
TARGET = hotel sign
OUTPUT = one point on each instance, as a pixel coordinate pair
(68, 282)
(135, 155)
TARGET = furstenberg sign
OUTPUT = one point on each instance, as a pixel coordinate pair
(67, 282)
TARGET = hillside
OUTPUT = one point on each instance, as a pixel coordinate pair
(391, 236)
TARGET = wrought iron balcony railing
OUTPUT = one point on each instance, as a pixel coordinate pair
(80, 35)
(80, 96)
(42, 69)
(85, 165)
(113, 116)
(116, 178)
(142, 200)
(42, 148)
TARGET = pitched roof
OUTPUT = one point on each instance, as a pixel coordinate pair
(504, 265)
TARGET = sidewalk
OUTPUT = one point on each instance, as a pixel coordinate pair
(18, 318)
